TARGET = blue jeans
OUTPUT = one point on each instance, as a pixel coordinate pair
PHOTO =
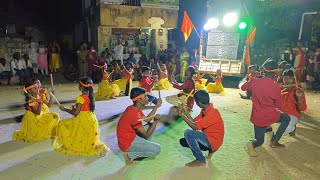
(142, 148)
(259, 132)
(194, 139)
(152, 99)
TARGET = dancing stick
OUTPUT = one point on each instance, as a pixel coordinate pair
(51, 79)
(110, 74)
(55, 98)
(159, 93)
(295, 77)
(146, 118)
(189, 94)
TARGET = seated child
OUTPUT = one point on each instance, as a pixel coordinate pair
(19, 68)
(106, 89)
(36, 124)
(5, 73)
(80, 135)
(163, 83)
(148, 83)
(133, 137)
(187, 87)
(207, 129)
(217, 86)
(125, 83)
(200, 83)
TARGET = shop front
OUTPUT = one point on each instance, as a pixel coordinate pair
(141, 30)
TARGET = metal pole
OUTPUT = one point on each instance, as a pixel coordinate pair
(302, 21)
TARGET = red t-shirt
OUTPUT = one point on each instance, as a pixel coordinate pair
(127, 127)
(290, 104)
(266, 99)
(145, 82)
(209, 121)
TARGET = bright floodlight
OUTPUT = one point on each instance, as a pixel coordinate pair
(242, 25)
(230, 19)
(212, 23)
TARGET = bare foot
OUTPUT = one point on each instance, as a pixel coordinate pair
(209, 155)
(195, 163)
(275, 144)
(113, 97)
(251, 150)
(127, 159)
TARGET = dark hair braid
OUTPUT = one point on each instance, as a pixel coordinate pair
(91, 97)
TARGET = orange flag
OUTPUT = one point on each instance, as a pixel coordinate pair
(248, 41)
(251, 37)
(187, 26)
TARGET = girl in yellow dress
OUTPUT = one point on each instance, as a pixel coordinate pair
(200, 83)
(43, 96)
(54, 60)
(106, 89)
(125, 83)
(36, 124)
(163, 83)
(217, 86)
(80, 136)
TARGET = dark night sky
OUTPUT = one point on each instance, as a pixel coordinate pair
(65, 13)
(53, 13)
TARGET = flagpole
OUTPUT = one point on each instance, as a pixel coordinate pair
(196, 32)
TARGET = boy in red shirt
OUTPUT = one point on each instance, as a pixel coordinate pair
(148, 83)
(187, 87)
(293, 100)
(266, 100)
(208, 129)
(133, 138)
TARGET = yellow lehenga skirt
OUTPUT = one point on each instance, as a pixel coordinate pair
(201, 85)
(163, 84)
(55, 61)
(122, 83)
(79, 136)
(106, 90)
(45, 108)
(37, 127)
(215, 88)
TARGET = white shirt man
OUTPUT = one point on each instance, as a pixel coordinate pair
(118, 52)
(21, 64)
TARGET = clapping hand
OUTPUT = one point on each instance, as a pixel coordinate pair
(159, 103)
(157, 117)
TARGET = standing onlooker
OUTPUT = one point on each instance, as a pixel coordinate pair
(32, 52)
(118, 51)
(82, 59)
(299, 62)
(55, 61)
(42, 59)
(92, 60)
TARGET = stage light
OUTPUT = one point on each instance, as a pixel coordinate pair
(243, 25)
(212, 23)
(230, 19)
